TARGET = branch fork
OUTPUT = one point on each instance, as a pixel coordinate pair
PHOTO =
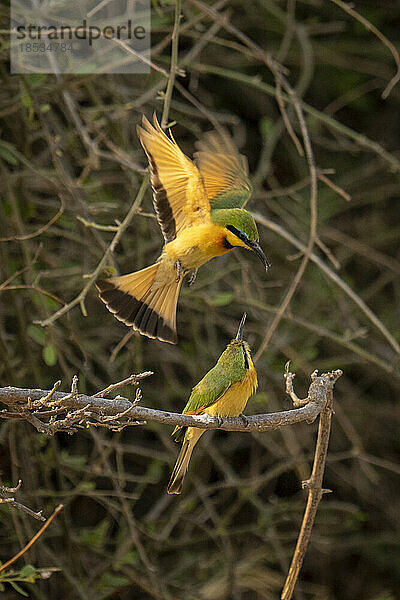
(4, 499)
(320, 385)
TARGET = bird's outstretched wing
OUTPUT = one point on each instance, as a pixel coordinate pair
(180, 199)
(224, 171)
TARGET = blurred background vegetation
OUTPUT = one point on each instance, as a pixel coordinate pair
(69, 150)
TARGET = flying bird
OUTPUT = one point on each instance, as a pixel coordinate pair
(223, 392)
(198, 207)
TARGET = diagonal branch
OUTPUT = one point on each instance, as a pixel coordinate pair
(33, 540)
(333, 276)
(80, 298)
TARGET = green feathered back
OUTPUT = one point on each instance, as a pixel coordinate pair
(229, 369)
(234, 198)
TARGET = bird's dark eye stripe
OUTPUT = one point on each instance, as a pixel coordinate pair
(246, 359)
(242, 236)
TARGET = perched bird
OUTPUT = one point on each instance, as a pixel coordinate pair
(198, 207)
(223, 392)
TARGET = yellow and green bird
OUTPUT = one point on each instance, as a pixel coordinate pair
(223, 392)
(198, 207)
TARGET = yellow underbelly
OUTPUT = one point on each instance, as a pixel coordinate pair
(233, 402)
(196, 245)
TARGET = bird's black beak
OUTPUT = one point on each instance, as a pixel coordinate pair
(239, 335)
(258, 250)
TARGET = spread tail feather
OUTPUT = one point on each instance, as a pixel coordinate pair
(149, 310)
(182, 462)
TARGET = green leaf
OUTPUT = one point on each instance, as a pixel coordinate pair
(52, 303)
(27, 570)
(95, 537)
(7, 154)
(110, 582)
(26, 100)
(266, 126)
(129, 558)
(109, 271)
(49, 356)
(74, 461)
(222, 299)
(36, 79)
(19, 589)
(86, 486)
(36, 333)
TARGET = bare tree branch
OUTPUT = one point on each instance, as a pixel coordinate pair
(44, 410)
(314, 484)
(31, 405)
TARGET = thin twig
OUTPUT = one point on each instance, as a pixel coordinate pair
(174, 65)
(131, 380)
(80, 298)
(256, 82)
(334, 277)
(286, 120)
(333, 186)
(391, 47)
(4, 499)
(42, 229)
(33, 540)
(363, 249)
